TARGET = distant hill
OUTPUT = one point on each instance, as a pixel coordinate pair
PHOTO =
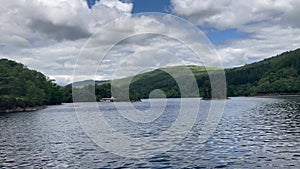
(275, 75)
(22, 88)
(165, 80)
(88, 82)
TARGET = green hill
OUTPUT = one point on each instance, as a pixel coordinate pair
(275, 75)
(165, 80)
(22, 88)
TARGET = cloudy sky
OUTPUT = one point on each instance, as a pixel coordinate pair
(48, 35)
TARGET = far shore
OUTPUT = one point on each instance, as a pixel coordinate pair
(31, 109)
(276, 95)
(20, 109)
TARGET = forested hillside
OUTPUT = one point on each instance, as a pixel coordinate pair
(22, 88)
(276, 75)
(165, 79)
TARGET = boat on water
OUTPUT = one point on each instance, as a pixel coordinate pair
(110, 99)
(113, 99)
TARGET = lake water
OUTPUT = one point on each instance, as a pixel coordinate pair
(253, 133)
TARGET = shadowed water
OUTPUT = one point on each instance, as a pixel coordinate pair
(253, 133)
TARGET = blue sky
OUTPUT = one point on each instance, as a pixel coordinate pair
(217, 37)
(144, 5)
(151, 6)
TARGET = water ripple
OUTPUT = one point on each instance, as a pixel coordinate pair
(253, 133)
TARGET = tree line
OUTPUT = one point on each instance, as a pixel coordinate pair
(276, 75)
(21, 87)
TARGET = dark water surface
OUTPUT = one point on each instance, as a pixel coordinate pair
(253, 133)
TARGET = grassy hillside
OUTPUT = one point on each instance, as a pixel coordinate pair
(167, 79)
(275, 75)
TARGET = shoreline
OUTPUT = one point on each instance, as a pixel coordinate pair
(31, 109)
(19, 109)
(275, 95)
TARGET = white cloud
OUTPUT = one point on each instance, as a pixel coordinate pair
(58, 20)
(272, 26)
(266, 42)
(48, 35)
(146, 41)
(125, 7)
(224, 14)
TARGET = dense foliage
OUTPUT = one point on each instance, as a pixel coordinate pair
(97, 91)
(21, 87)
(276, 75)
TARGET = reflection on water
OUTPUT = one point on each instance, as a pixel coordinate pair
(253, 133)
